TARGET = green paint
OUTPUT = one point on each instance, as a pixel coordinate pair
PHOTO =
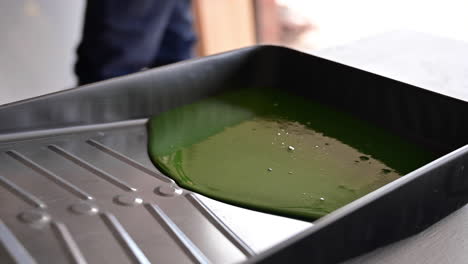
(234, 148)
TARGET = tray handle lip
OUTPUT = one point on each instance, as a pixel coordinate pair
(111, 81)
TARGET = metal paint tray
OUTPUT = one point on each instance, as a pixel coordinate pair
(77, 186)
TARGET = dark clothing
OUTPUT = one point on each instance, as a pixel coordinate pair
(124, 36)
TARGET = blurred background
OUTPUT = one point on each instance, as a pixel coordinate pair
(39, 37)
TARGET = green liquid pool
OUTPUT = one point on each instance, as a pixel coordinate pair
(273, 152)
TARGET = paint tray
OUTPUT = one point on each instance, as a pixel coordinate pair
(77, 185)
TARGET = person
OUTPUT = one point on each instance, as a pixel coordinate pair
(125, 36)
